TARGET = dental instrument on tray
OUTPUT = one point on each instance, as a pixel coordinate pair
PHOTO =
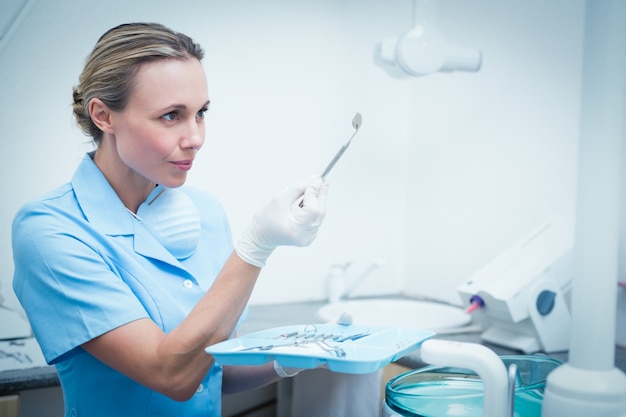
(357, 121)
(310, 336)
(299, 341)
(364, 350)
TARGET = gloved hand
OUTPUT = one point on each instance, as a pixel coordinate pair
(282, 222)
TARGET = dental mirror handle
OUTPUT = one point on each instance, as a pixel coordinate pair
(357, 120)
(332, 163)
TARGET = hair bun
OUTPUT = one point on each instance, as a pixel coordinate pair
(78, 97)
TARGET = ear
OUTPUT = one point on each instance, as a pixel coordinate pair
(101, 115)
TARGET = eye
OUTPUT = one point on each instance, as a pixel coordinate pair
(171, 116)
(201, 113)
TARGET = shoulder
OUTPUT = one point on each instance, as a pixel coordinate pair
(56, 201)
(43, 224)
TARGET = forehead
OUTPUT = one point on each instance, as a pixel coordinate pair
(162, 83)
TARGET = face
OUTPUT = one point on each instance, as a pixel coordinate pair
(159, 133)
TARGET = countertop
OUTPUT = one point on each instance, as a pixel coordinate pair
(260, 318)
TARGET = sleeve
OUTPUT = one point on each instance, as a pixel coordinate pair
(69, 290)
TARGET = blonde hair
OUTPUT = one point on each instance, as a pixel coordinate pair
(110, 69)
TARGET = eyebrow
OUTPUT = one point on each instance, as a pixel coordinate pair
(183, 107)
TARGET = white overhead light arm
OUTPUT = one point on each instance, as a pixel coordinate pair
(423, 49)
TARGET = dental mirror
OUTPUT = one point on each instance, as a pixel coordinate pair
(357, 120)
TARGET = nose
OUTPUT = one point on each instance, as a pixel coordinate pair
(193, 135)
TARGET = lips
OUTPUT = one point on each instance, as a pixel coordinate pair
(183, 165)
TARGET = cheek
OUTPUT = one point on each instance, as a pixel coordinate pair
(142, 138)
(158, 146)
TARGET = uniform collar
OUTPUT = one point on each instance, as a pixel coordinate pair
(99, 202)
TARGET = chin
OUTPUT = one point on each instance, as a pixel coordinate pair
(173, 182)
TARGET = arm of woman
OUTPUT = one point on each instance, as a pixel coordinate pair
(175, 363)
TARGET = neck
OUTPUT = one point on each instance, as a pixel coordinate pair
(130, 187)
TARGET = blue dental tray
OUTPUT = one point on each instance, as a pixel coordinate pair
(352, 349)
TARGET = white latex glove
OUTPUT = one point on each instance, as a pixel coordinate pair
(282, 222)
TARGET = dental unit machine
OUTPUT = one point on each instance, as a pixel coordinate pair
(520, 297)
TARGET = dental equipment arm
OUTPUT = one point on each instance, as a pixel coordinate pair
(424, 49)
(291, 218)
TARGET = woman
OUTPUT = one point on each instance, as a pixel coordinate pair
(126, 275)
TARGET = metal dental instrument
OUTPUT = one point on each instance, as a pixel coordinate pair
(333, 350)
(357, 120)
(352, 337)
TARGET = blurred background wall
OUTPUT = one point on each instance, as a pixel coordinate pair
(446, 172)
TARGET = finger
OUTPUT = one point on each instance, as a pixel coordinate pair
(318, 203)
(294, 193)
(306, 186)
(310, 196)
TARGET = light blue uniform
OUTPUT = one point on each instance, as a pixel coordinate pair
(84, 266)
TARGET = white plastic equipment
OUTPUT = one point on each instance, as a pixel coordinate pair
(423, 49)
(480, 359)
(522, 293)
(590, 384)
